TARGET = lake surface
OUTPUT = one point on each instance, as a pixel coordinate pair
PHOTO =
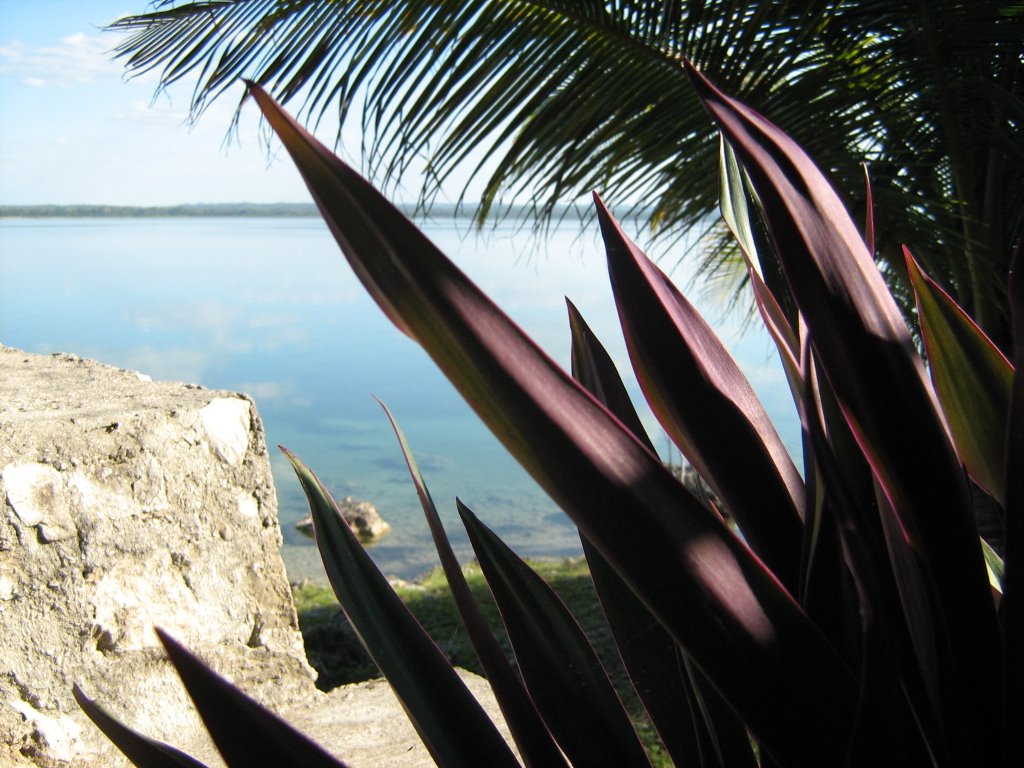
(270, 307)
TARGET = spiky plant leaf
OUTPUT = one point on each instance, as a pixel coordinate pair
(725, 607)
(869, 213)
(246, 733)
(739, 214)
(1011, 607)
(140, 749)
(449, 720)
(528, 729)
(695, 726)
(559, 666)
(699, 393)
(734, 204)
(972, 379)
(592, 366)
(868, 356)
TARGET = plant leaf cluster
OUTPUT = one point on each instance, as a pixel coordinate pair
(848, 614)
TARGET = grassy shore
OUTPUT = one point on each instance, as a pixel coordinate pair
(335, 653)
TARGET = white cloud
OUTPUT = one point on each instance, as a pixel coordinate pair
(159, 112)
(265, 390)
(197, 316)
(77, 59)
(176, 364)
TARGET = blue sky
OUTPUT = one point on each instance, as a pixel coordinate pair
(73, 130)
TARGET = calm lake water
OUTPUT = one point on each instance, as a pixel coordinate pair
(269, 307)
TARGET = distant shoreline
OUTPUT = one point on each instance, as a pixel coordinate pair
(271, 210)
(244, 210)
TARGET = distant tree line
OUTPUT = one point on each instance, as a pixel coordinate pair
(262, 210)
(130, 211)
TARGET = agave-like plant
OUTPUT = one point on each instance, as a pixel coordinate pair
(848, 614)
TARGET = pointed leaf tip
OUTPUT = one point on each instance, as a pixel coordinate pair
(437, 701)
(137, 747)
(244, 731)
(972, 379)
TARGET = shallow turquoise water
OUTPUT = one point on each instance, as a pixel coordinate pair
(269, 307)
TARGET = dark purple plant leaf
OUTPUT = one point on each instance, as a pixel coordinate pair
(1011, 607)
(592, 367)
(833, 596)
(246, 733)
(449, 720)
(721, 603)
(884, 572)
(696, 726)
(527, 727)
(880, 383)
(559, 666)
(855, 599)
(141, 750)
(823, 574)
(840, 480)
(972, 379)
(706, 404)
(912, 588)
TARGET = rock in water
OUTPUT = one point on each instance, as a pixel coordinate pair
(128, 504)
(361, 516)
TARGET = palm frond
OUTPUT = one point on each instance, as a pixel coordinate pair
(560, 97)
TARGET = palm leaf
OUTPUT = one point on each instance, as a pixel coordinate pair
(564, 97)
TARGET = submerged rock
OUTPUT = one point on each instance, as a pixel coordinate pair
(362, 517)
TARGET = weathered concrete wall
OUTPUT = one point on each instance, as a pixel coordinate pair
(126, 504)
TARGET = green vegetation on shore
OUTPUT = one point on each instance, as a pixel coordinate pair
(429, 598)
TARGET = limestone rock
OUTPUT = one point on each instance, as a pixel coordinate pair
(123, 505)
(361, 516)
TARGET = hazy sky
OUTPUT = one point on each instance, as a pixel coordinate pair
(73, 130)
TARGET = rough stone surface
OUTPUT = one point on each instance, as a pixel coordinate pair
(361, 516)
(364, 725)
(125, 504)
